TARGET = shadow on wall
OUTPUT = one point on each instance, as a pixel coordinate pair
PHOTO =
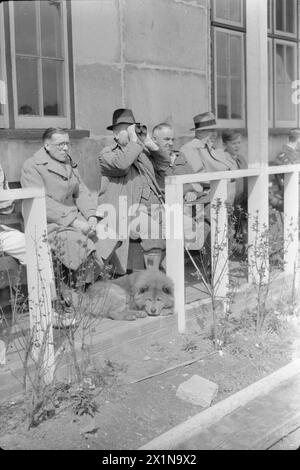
(86, 154)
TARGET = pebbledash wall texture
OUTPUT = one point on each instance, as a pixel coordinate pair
(153, 56)
(150, 55)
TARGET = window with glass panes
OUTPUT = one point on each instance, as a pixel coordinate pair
(283, 49)
(228, 24)
(37, 60)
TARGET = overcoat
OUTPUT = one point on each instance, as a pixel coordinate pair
(67, 199)
(127, 175)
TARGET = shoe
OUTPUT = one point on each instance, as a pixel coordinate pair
(62, 320)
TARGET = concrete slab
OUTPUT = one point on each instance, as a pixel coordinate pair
(198, 391)
(188, 435)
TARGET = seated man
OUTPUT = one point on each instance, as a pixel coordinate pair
(202, 156)
(71, 209)
(237, 189)
(127, 173)
(200, 152)
(12, 242)
(163, 136)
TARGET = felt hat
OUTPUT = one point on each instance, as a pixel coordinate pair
(204, 121)
(122, 116)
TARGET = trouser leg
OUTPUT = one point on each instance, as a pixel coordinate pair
(13, 243)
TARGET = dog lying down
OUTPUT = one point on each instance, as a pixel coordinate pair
(131, 296)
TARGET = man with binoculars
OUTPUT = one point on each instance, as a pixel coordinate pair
(127, 172)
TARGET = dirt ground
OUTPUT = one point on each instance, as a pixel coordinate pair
(131, 412)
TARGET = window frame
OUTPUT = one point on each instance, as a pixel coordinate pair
(275, 37)
(277, 122)
(240, 24)
(271, 90)
(29, 121)
(4, 116)
(270, 16)
(230, 123)
(277, 32)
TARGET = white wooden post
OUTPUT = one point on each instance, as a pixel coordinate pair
(219, 237)
(39, 279)
(175, 246)
(257, 120)
(291, 221)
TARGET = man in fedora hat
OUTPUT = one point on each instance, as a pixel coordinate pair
(127, 172)
(200, 152)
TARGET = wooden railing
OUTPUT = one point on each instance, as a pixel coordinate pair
(39, 274)
(258, 186)
(39, 270)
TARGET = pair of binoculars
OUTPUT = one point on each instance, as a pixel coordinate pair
(140, 129)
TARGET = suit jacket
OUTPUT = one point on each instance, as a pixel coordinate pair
(165, 167)
(201, 158)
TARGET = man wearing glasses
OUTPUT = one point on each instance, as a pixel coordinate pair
(70, 207)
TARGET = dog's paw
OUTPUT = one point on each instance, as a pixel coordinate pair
(166, 311)
(141, 314)
(130, 316)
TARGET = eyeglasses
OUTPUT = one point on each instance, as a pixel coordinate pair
(61, 145)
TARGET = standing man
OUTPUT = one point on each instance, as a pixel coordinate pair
(127, 172)
(71, 209)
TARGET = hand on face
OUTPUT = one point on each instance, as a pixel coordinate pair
(132, 134)
(150, 144)
(82, 225)
(121, 134)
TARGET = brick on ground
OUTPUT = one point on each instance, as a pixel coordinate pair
(198, 391)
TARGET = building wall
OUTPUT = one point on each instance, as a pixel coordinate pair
(149, 55)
